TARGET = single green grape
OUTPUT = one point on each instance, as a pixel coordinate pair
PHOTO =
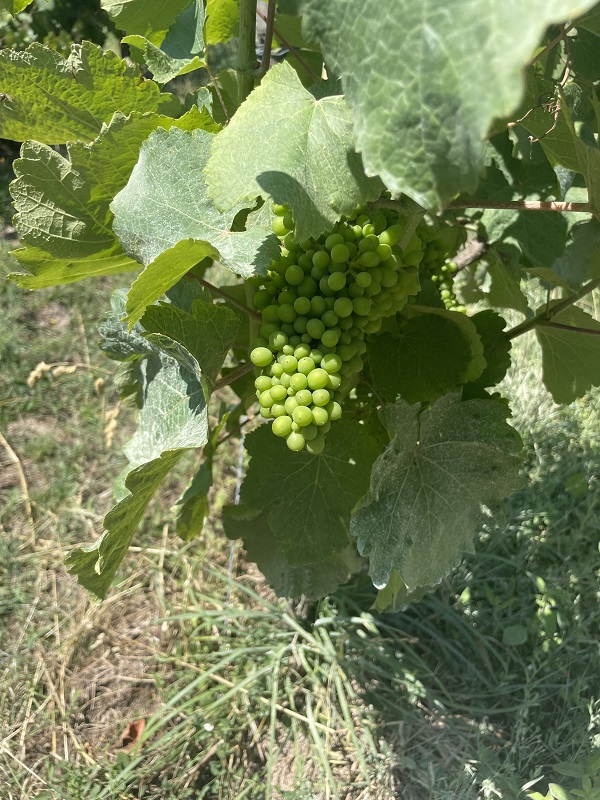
(317, 445)
(295, 441)
(282, 426)
(302, 416)
(303, 397)
(321, 397)
(318, 378)
(261, 356)
(340, 253)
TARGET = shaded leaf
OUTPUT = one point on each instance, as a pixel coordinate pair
(423, 507)
(310, 497)
(300, 154)
(55, 100)
(496, 351)
(432, 353)
(581, 260)
(149, 18)
(570, 359)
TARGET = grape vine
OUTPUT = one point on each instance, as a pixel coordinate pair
(301, 235)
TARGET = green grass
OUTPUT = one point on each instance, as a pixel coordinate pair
(485, 685)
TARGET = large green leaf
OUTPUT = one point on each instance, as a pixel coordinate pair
(588, 156)
(181, 48)
(427, 79)
(581, 260)
(166, 201)
(149, 18)
(173, 419)
(496, 350)
(428, 486)
(432, 353)
(222, 18)
(300, 153)
(570, 359)
(207, 331)
(14, 6)
(55, 100)
(310, 497)
(62, 205)
(313, 579)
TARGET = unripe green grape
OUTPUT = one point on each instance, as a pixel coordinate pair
(317, 445)
(334, 410)
(282, 426)
(294, 275)
(298, 381)
(306, 365)
(290, 405)
(306, 337)
(346, 323)
(316, 356)
(373, 290)
(279, 210)
(320, 416)
(379, 221)
(278, 227)
(295, 441)
(278, 393)
(302, 416)
(278, 340)
(329, 318)
(348, 234)
(389, 278)
(331, 337)
(334, 382)
(368, 229)
(286, 297)
(289, 363)
(277, 370)
(295, 339)
(340, 253)
(310, 432)
(324, 287)
(346, 337)
(361, 306)
(308, 287)
(284, 380)
(262, 383)
(369, 244)
(265, 412)
(261, 357)
(317, 379)
(318, 305)
(355, 365)
(305, 261)
(277, 410)
(317, 273)
(302, 351)
(299, 325)
(302, 305)
(286, 313)
(325, 428)
(331, 363)
(321, 397)
(346, 352)
(261, 299)
(266, 330)
(315, 328)
(384, 251)
(321, 259)
(333, 239)
(391, 235)
(336, 281)
(303, 397)
(266, 398)
(289, 243)
(287, 329)
(343, 307)
(363, 279)
(288, 220)
(369, 259)
(270, 313)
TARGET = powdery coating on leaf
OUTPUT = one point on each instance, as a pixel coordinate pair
(310, 497)
(426, 79)
(62, 205)
(300, 153)
(570, 359)
(166, 201)
(55, 100)
(427, 487)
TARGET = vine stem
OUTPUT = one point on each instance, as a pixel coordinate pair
(234, 375)
(524, 205)
(266, 56)
(254, 316)
(544, 317)
(293, 50)
(246, 60)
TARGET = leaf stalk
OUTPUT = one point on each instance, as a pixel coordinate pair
(544, 317)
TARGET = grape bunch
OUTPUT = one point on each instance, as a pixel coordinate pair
(441, 242)
(317, 303)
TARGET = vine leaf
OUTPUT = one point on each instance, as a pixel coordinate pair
(14, 6)
(172, 420)
(166, 201)
(570, 359)
(588, 156)
(163, 273)
(433, 352)
(300, 154)
(313, 579)
(581, 260)
(222, 21)
(310, 497)
(207, 331)
(55, 100)
(149, 18)
(505, 282)
(62, 204)
(423, 89)
(496, 350)
(427, 488)
(180, 50)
